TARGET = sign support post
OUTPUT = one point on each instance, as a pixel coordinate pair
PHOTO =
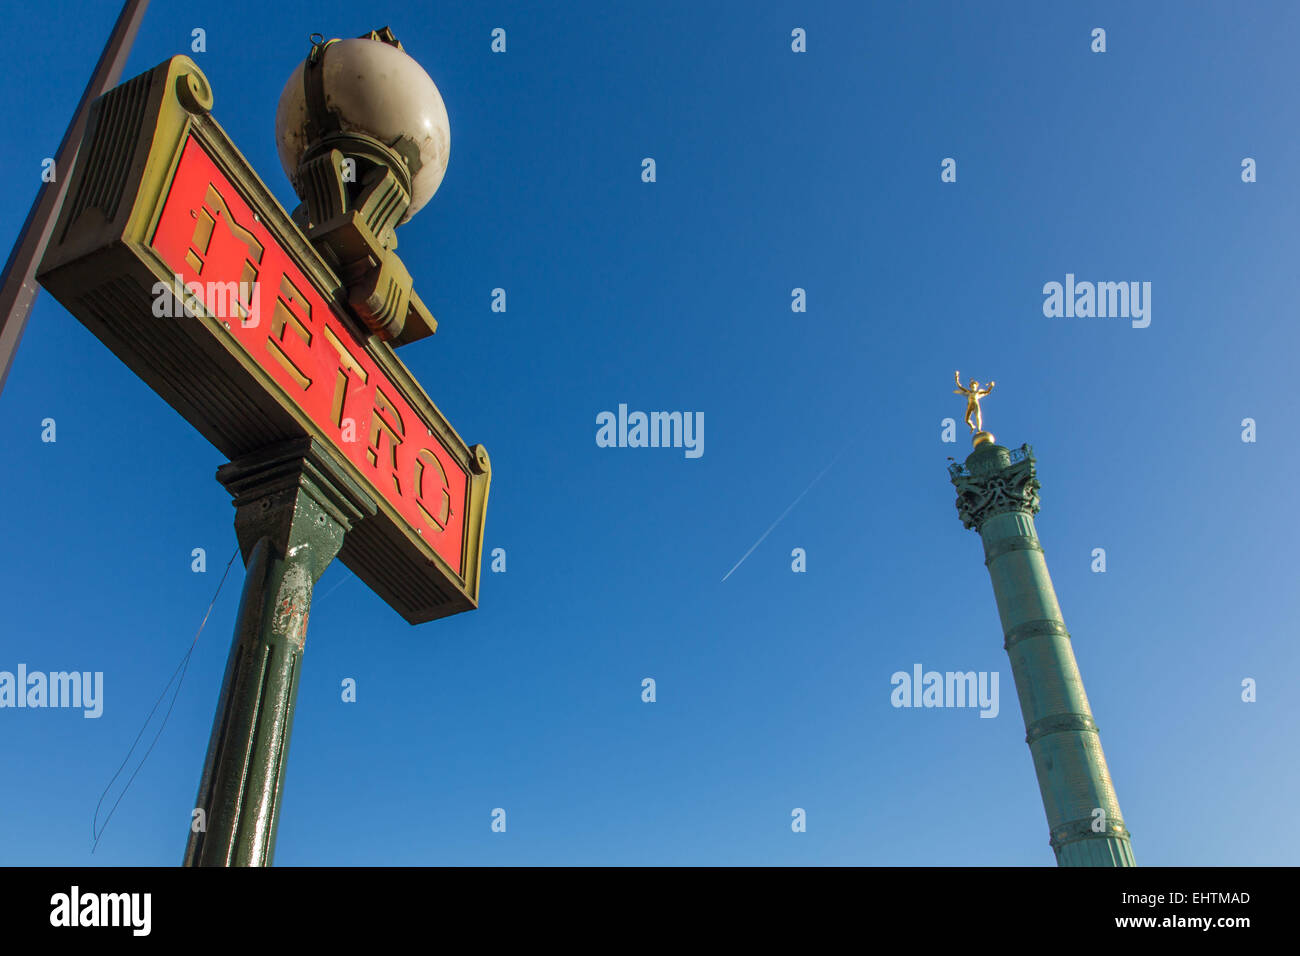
(292, 509)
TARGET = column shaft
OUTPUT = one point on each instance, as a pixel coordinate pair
(998, 495)
(293, 507)
(1059, 728)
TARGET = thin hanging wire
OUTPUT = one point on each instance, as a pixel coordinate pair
(181, 669)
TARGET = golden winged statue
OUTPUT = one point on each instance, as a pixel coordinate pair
(973, 396)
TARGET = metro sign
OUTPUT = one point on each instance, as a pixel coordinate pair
(173, 252)
(210, 237)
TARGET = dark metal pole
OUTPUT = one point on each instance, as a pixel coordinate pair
(17, 283)
(292, 509)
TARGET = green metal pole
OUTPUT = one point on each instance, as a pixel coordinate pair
(293, 505)
(998, 496)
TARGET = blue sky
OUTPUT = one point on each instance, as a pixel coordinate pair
(775, 170)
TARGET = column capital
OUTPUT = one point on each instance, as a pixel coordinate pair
(292, 492)
(994, 480)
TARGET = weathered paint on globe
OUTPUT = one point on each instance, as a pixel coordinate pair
(376, 89)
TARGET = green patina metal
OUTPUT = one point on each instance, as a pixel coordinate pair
(301, 497)
(293, 505)
(997, 495)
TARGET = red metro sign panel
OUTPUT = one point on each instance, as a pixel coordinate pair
(224, 257)
(172, 251)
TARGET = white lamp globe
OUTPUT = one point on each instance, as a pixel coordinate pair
(377, 90)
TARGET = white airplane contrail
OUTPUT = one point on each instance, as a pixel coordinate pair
(782, 515)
